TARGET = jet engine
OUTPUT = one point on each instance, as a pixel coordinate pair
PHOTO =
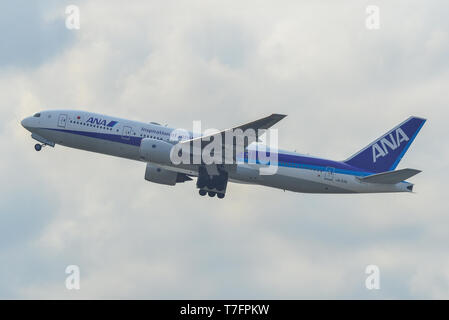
(160, 175)
(157, 151)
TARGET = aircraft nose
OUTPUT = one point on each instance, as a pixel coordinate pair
(26, 123)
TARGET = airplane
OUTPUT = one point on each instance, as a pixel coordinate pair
(371, 170)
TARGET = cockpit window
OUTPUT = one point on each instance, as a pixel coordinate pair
(37, 115)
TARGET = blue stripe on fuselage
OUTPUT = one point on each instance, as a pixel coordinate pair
(284, 160)
(310, 163)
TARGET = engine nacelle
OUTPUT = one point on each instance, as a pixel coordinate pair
(157, 151)
(159, 175)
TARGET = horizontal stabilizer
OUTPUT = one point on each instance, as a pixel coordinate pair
(391, 177)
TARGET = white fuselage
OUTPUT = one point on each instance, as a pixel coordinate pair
(121, 138)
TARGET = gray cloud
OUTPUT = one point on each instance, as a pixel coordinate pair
(28, 37)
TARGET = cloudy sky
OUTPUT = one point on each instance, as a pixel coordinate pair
(223, 62)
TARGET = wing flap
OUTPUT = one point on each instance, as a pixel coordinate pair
(391, 177)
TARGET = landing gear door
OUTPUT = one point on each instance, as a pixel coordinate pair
(329, 175)
(62, 120)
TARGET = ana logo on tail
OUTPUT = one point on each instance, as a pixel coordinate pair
(385, 144)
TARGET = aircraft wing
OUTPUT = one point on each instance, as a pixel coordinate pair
(242, 135)
(391, 177)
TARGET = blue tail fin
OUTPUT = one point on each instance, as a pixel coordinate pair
(385, 153)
